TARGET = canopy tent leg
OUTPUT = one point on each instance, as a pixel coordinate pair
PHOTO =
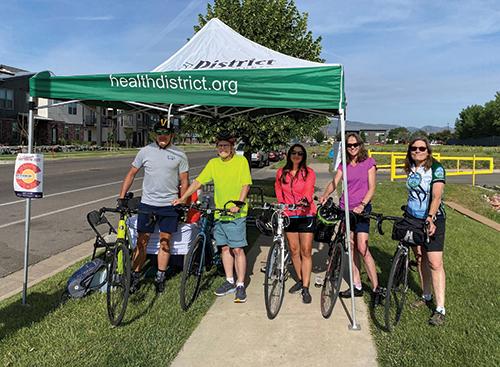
(27, 221)
(354, 325)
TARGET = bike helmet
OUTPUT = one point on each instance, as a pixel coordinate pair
(328, 213)
(164, 126)
(226, 136)
(264, 225)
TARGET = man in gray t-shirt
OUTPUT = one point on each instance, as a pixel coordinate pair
(165, 167)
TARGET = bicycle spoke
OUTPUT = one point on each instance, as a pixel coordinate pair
(332, 281)
(274, 281)
(192, 274)
(396, 289)
(118, 279)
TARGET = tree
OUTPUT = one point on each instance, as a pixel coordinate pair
(276, 24)
(418, 134)
(477, 121)
(319, 136)
(401, 134)
(362, 135)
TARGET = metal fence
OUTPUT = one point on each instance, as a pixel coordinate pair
(455, 165)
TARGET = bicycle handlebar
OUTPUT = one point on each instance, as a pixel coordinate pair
(281, 206)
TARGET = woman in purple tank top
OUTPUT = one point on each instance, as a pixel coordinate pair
(361, 182)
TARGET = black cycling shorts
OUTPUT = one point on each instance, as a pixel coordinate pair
(301, 224)
(436, 242)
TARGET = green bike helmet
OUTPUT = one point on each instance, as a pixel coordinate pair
(328, 213)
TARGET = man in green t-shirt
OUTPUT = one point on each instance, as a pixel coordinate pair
(230, 175)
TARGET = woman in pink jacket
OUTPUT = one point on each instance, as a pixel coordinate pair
(295, 185)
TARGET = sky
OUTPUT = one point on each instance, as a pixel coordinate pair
(411, 63)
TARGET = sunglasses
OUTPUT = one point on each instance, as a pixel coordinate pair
(420, 149)
(355, 145)
(300, 154)
(163, 132)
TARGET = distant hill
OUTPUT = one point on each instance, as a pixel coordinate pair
(331, 129)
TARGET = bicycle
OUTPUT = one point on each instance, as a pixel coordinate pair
(330, 214)
(202, 254)
(397, 284)
(278, 258)
(117, 256)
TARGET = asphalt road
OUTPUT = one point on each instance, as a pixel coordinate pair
(72, 188)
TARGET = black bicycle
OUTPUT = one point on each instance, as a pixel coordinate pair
(331, 228)
(117, 256)
(202, 254)
(397, 284)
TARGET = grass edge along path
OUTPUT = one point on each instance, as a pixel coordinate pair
(78, 333)
(470, 336)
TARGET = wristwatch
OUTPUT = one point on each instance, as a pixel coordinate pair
(364, 204)
(433, 217)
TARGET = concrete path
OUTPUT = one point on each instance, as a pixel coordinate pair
(481, 219)
(241, 334)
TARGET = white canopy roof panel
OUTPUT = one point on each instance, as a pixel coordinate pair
(218, 47)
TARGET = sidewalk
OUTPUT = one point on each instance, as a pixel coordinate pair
(242, 334)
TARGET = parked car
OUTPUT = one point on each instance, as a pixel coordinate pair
(258, 158)
(275, 156)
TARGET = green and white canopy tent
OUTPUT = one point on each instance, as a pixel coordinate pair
(217, 74)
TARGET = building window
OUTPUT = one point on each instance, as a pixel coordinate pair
(66, 133)
(72, 108)
(6, 99)
(77, 134)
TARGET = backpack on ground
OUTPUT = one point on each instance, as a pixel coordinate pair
(89, 277)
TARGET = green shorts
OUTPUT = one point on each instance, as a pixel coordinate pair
(232, 233)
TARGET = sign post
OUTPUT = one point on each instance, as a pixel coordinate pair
(28, 183)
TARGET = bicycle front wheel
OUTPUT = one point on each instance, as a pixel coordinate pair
(274, 280)
(192, 273)
(118, 283)
(397, 286)
(332, 281)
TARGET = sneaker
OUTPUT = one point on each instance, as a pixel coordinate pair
(135, 280)
(437, 319)
(377, 296)
(241, 295)
(297, 287)
(306, 296)
(420, 302)
(347, 293)
(160, 283)
(225, 288)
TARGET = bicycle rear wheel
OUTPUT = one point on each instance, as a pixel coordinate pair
(333, 279)
(192, 273)
(118, 283)
(397, 287)
(274, 280)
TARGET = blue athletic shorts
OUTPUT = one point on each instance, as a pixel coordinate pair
(232, 233)
(165, 216)
(360, 224)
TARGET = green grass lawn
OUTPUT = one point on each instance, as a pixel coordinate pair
(472, 331)
(472, 198)
(78, 333)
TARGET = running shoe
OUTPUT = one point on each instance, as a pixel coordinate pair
(306, 296)
(241, 295)
(297, 287)
(225, 288)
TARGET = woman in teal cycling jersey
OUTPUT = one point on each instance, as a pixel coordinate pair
(425, 184)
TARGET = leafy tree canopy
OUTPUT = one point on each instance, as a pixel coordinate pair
(478, 121)
(276, 24)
